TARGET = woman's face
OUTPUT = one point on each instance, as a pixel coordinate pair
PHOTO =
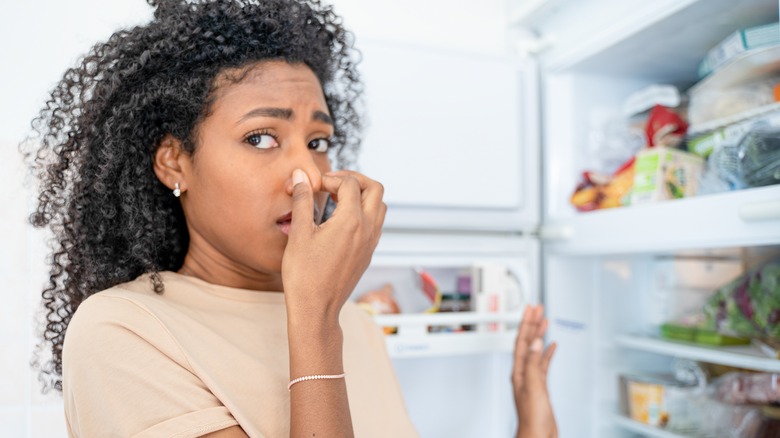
(238, 186)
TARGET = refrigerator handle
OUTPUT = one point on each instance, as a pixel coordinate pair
(760, 211)
(554, 232)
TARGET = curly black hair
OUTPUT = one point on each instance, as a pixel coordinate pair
(111, 218)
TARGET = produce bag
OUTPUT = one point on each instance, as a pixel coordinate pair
(749, 305)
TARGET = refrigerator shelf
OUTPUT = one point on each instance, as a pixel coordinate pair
(414, 340)
(747, 356)
(745, 116)
(740, 218)
(650, 431)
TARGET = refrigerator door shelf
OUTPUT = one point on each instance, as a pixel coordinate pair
(414, 340)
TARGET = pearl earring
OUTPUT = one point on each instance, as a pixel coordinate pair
(176, 190)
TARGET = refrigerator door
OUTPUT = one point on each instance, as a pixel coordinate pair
(455, 381)
(453, 136)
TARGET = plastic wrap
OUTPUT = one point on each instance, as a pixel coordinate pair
(705, 106)
(748, 388)
(749, 305)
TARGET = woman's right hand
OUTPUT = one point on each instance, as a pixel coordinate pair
(322, 263)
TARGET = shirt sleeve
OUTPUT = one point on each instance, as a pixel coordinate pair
(125, 376)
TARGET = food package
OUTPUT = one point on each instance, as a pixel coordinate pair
(379, 302)
(430, 289)
(737, 43)
(748, 388)
(749, 305)
(645, 99)
(699, 335)
(660, 401)
(665, 128)
(597, 191)
(662, 173)
(759, 157)
(708, 105)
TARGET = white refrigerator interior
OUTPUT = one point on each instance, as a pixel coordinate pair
(480, 148)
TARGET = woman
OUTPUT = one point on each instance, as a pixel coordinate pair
(185, 168)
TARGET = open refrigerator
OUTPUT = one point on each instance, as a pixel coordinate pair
(479, 154)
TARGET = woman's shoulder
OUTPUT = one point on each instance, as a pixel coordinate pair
(121, 315)
(109, 303)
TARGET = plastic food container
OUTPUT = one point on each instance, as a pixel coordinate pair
(697, 335)
(660, 401)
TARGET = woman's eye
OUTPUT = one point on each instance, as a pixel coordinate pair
(319, 145)
(262, 141)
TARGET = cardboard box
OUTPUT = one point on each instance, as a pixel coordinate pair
(664, 173)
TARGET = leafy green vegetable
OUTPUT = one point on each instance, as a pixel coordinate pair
(749, 305)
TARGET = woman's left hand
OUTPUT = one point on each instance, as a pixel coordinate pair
(529, 377)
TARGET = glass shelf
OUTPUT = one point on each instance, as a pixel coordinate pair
(740, 218)
(745, 356)
(650, 431)
(703, 128)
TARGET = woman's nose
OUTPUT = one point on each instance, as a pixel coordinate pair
(302, 158)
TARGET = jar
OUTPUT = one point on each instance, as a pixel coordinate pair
(769, 426)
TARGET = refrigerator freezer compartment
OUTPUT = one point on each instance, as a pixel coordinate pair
(747, 356)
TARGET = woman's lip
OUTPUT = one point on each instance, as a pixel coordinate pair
(284, 221)
(287, 217)
(284, 227)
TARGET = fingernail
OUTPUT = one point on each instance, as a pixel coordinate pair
(536, 345)
(298, 176)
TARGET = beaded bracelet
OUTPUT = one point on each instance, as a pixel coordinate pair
(314, 377)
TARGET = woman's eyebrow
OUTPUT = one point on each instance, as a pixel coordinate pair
(277, 113)
(322, 117)
(284, 114)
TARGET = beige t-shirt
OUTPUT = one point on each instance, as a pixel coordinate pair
(199, 358)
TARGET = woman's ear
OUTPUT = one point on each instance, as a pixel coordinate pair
(171, 163)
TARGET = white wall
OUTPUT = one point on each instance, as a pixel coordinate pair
(39, 40)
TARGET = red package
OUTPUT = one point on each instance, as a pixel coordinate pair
(748, 388)
(665, 127)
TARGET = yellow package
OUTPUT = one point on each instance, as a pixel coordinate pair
(646, 403)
